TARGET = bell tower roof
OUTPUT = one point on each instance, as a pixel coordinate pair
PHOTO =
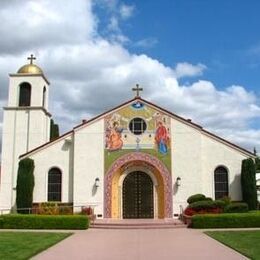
(30, 68)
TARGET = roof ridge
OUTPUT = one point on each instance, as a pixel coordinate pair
(182, 119)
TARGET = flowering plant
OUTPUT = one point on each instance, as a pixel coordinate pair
(87, 210)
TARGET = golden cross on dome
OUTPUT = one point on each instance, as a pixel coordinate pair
(137, 89)
(31, 58)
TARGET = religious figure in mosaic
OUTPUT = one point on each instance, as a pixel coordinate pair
(161, 138)
(113, 138)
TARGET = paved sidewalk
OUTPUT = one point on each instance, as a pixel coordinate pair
(137, 244)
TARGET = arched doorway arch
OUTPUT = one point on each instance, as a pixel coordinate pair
(148, 160)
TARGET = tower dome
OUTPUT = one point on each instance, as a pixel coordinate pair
(30, 68)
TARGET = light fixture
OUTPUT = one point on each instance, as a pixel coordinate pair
(178, 181)
(97, 182)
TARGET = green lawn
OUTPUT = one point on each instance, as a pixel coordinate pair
(245, 242)
(23, 245)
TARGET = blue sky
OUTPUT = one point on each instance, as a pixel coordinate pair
(198, 58)
(224, 35)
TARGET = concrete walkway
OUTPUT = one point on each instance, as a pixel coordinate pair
(137, 244)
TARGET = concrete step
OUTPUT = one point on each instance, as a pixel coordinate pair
(137, 224)
(137, 227)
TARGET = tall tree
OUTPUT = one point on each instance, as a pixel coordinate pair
(257, 164)
(54, 130)
(248, 183)
(25, 185)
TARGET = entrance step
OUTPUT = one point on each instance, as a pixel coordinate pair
(137, 224)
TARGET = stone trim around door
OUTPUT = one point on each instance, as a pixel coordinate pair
(143, 157)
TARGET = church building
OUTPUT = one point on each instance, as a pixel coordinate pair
(136, 160)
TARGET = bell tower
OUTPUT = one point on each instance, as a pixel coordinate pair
(26, 124)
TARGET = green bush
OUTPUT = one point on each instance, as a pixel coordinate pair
(48, 208)
(248, 183)
(206, 204)
(21, 221)
(236, 207)
(196, 197)
(25, 185)
(226, 199)
(65, 210)
(231, 220)
(1, 223)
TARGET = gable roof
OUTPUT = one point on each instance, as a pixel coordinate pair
(179, 118)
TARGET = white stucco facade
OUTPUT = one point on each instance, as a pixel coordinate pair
(79, 155)
(195, 157)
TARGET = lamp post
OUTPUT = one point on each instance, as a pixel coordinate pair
(97, 182)
(178, 181)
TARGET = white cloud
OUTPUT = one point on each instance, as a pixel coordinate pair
(126, 11)
(113, 24)
(185, 69)
(84, 67)
(146, 43)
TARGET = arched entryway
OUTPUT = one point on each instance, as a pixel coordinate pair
(138, 196)
(131, 162)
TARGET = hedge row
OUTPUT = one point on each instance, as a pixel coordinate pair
(230, 220)
(17, 221)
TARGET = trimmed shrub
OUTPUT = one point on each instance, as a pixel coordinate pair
(18, 221)
(232, 220)
(219, 203)
(236, 207)
(226, 199)
(206, 204)
(25, 185)
(196, 197)
(205, 207)
(248, 182)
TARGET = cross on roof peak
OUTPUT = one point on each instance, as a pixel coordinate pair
(31, 58)
(137, 89)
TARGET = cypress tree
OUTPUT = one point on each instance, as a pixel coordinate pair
(25, 185)
(257, 164)
(248, 183)
(54, 130)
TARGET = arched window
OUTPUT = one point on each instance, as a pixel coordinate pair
(25, 95)
(221, 182)
(44, 97)
(54, 185)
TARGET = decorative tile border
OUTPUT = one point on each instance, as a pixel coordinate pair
(141, 157)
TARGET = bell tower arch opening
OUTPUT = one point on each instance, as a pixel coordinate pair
(25, 94)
